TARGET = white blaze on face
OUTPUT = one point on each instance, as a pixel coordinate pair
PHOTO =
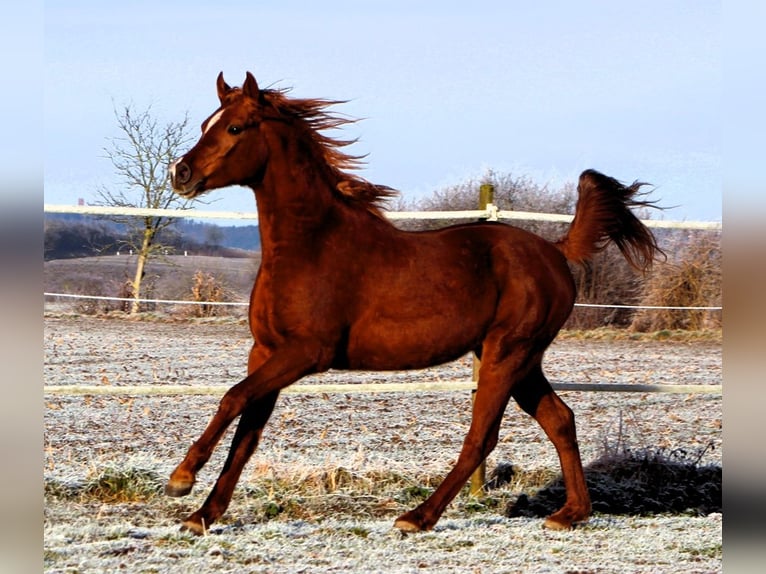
(212, 121)
(173, 168)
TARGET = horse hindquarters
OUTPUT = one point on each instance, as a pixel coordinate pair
(535, 300)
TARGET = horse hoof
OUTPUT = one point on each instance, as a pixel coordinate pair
(176, 489)
(568, 516)
(193, 527)
(412, 521)
(555, 525)
(406, 525)
(565, 521)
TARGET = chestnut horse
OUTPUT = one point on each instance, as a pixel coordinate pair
(340, 287)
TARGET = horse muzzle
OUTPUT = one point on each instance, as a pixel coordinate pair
(181, 178)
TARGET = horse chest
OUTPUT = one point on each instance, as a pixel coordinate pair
(281, 306)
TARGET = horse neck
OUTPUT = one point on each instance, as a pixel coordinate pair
(295, 198)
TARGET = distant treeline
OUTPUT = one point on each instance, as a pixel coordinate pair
(73, 235)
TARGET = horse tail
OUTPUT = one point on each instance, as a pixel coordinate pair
(603, 214)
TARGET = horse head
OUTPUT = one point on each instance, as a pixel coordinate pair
(231, 149)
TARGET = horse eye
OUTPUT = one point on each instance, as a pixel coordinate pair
(234, 130)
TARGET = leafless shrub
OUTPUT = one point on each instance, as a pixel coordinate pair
(692, 277)
(511, 193)
(206, 290)
(95, 285)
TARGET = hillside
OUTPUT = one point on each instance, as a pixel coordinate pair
(167, 277)
(73, 236)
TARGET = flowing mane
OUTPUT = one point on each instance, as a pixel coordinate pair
(313, 115)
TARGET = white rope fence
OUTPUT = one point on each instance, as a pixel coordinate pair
(155, 301)
(245, 304)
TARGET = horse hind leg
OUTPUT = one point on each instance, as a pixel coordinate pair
(244, 443)
(535, 396)
(479, 442)
(496, 379)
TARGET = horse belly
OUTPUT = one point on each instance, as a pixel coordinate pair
(396, 343)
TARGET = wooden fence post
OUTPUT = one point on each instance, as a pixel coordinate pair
(478, 478)
(486, 195)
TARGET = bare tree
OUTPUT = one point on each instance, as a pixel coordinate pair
(511, 192)
(141, 156)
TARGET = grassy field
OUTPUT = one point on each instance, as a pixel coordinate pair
(335, 470)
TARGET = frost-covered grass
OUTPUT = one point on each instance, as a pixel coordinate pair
(328, 520)
(334, 471)
(339, 544)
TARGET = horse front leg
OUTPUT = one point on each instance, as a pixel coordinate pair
(184, 476)
(244, 443)
(281, 369)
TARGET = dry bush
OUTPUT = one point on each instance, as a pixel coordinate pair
(607, 279)
(95, 285)
(693, 277)
(511, 193)
(149, 290)
(207, 288)
(90, 286)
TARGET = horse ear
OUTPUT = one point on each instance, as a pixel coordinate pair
(250, 87)
(223, 87)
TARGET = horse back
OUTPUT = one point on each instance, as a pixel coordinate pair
(430, 297)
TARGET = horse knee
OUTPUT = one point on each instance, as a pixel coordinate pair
(231, 404)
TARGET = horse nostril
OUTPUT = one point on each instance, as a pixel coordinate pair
(182, 173)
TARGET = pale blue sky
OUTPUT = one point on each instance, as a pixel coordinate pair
(446, 90)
